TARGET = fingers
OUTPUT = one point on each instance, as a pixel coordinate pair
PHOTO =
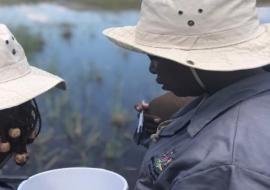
(141, 107)
(152, 118)
(151, 123)
(150, 128)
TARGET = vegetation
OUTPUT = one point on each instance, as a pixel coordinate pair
(66, 31)
(112, 4)
(104, 4)
(32, 43)
(75, 131)
(264, 2)
(71, 130)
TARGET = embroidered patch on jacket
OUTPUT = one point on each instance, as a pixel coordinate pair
(160, 163)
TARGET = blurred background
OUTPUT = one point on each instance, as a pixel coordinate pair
(91, 124)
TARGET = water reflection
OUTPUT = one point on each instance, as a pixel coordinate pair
(264, 14)
(92, 123)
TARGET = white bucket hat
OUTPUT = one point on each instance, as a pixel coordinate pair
(20, 82)
(214, 35)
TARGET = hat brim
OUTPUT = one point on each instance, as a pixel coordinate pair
(23, 89)
(246, 55)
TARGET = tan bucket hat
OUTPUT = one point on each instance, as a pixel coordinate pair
(20, 82)
(215, 35)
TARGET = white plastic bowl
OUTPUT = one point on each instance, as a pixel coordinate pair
(75, 179)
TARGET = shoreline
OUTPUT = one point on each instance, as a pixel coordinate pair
(81, 6)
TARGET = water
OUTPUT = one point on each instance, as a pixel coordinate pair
(264, 14)
(104, 83)
(86, 46)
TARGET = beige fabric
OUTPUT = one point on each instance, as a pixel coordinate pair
(218, 35)
(19, 82)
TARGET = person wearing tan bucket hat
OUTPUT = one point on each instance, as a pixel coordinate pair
(20, 84)
(215, 50)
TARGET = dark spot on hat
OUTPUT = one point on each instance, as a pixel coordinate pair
(14, 52)
(191, 23)
(13, 38)
(7, 42)
(200, 11)
(190, 62)
(180, 12)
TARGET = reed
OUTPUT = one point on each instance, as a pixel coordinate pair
(85, 4)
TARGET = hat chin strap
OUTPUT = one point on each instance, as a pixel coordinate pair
(197, 78)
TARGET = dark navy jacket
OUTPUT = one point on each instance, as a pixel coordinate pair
(221, 142)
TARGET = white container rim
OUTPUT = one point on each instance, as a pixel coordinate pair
(77, 168)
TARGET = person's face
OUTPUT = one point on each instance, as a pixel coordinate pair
(174, 77)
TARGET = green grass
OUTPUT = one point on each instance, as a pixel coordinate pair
(106, 4)
(23, 1)
(112, 4)
(103, 4)
(264, 2)
(31, 42)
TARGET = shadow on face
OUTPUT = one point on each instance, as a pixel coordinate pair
(174, 77)
(179, 79)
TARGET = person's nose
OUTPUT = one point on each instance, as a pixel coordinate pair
(153, 67)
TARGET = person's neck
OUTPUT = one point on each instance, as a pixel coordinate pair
(215, 81)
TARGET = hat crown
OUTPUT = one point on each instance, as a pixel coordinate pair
(213, 35)
(13, 62)
(11, 51)
(195, 17)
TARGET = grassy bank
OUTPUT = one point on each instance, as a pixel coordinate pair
(103, 4)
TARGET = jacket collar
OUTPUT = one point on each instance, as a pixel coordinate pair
(202, 111)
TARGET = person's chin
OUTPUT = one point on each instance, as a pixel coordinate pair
(177, 92)
(164, 87)
(167, 88)
(185, 93)
(180, 93)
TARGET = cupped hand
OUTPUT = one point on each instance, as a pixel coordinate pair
(150, 121)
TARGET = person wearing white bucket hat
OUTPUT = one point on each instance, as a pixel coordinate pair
(20, 84)
(214, 49)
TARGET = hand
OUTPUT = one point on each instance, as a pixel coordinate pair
(151, 121)
(160, 109)
(14, 141)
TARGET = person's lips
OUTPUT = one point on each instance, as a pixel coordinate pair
(164, 87)
(159, 81)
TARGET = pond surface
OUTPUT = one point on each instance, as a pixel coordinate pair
(84, 47)
(104, 83)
